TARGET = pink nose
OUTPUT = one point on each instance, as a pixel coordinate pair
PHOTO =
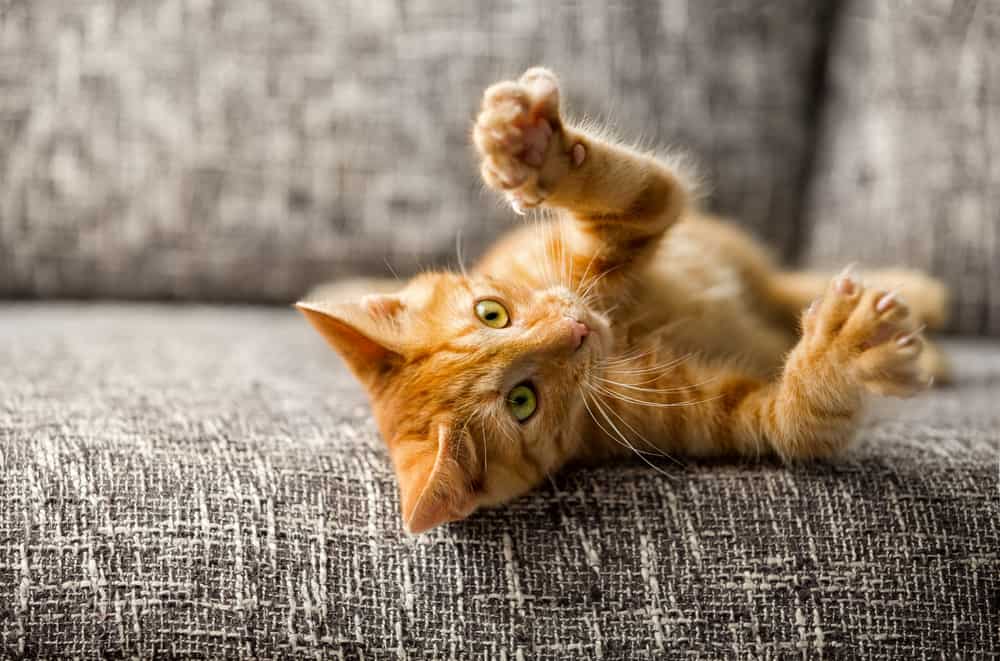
(578, 330)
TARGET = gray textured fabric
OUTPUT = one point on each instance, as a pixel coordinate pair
(225, 149)
(206, 481)
(908, 170)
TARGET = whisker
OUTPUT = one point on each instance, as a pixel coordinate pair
(658, 452)
(626, 366)
(597, 279)
(586, 272)
(465, 429)
(598, 423)
(658, 367)
(656, 374)
(497, 421)
(657, 390)
(628, 356)
(621, 437)
(641, 402)
(458, 252)
(389, 266)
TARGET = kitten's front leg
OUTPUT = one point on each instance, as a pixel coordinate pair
(854, 340)
(621, 199)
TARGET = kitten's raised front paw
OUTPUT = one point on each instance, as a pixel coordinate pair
(519, 136)
(868, 332)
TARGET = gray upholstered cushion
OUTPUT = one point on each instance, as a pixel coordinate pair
(907, 171)
(248, 150)
(206, 481)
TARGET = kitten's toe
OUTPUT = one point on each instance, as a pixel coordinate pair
(543, 87)
(885, 343)
(513, 134)
(893, 369)
(868, 335)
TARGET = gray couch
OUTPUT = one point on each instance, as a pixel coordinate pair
(187, 471)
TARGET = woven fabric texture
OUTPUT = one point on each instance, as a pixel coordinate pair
(907, 171)
(206, 482)
(224, 149)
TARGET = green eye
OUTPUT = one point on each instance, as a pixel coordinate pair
(522, 402)
(492, 313)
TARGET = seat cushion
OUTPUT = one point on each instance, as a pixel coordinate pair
(207, 481)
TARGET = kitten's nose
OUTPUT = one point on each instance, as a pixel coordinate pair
(578, 331)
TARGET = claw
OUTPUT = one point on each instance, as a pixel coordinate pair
(888, 300)
(846, 286)
(845, 280)
(909, 338)
(848, 271)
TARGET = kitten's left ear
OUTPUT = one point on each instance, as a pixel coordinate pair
(434, 485)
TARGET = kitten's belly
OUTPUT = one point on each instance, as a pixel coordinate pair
(693, 300)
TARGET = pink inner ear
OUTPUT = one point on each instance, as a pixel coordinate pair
(436, 494)
(350, 330)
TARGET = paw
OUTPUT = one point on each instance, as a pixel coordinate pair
(869, 334)
(519, 137)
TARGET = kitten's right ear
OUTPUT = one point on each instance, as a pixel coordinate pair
(364, 333)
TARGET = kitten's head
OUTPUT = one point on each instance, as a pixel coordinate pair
(473, 383)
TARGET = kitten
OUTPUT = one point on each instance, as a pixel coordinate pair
(630, 323)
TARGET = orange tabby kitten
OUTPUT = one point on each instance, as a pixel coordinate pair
(627, 323)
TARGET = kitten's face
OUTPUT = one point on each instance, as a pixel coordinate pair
(474, 384)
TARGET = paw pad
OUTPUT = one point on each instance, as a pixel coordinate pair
(514, 133)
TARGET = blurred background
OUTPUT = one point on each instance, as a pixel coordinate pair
(235, 150)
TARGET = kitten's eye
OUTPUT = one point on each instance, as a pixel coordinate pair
(492, 313)
(522, 402)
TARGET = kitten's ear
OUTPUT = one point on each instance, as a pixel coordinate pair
(434, 486)
(363, 333)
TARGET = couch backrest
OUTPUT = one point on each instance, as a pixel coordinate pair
(908, 166)
(246, 150)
